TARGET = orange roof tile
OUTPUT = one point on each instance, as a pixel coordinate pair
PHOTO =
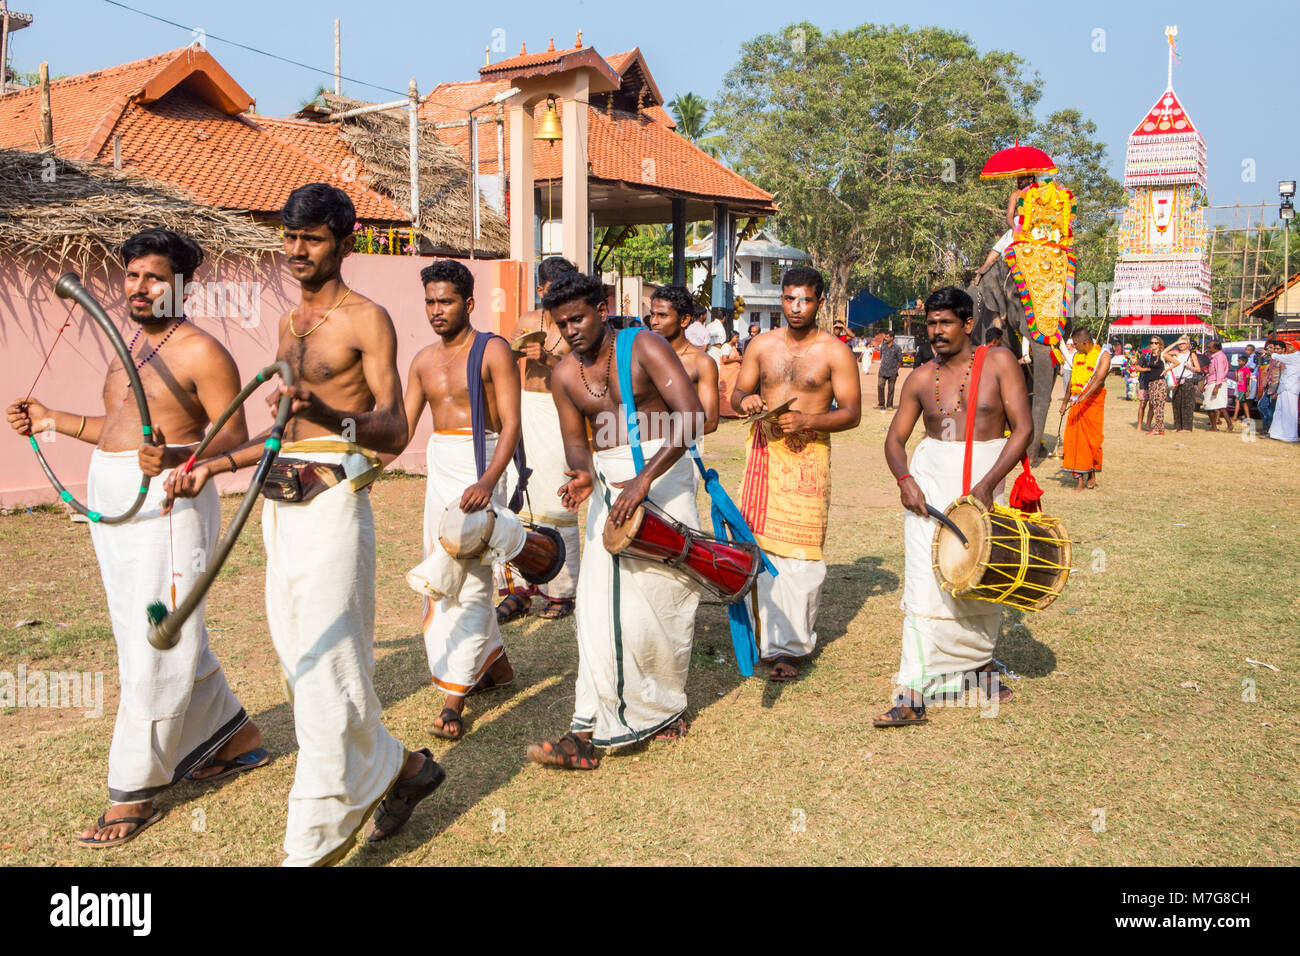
(621, 146)
(179, 116)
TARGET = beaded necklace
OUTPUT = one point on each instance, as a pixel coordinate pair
(157, 348)
(961, 392)
(609, 363)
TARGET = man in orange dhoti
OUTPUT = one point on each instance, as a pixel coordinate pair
(1086, 405)
(787, 490)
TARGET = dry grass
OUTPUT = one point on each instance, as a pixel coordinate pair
(1186, 568)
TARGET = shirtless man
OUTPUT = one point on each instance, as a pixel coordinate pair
(671, 308)
(461, 634)
(320, 550)
(634, 620)
(946, 638)
(544, 449)
(177, 714)
(786, 495)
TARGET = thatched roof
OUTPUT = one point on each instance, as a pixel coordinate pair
(380, 141)
(71, 212)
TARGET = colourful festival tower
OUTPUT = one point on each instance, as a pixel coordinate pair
(1162, 275)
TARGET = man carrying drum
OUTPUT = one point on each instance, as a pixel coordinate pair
(944, 637)
(545, 450)
(461, 634)
(634, 620)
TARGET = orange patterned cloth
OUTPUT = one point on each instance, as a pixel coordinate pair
(787, 490)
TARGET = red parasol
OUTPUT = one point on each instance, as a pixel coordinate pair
(1017, 161)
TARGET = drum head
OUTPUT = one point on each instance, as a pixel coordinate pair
(618, 538)
(960, 564)
(465, 535)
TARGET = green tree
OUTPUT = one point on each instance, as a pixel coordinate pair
(694, 123)
(872, 140)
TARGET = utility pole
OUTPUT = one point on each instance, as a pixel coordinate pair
(338, 56)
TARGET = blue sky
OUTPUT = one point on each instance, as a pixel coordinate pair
(1237, 78)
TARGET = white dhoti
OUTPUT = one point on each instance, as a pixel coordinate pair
(943, 636)
(1213, 402)
(544, 449)
(461, 635)
(634, 619)
(784, 607)
(176, 708)
(320, 606)
(1285, 408)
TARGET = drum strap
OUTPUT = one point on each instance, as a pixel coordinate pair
(730, 525)
(478, 418)
(1025, 493)
(623, 355)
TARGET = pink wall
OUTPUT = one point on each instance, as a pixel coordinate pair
(31, 315)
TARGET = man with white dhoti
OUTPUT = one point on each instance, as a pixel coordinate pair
(786, 494)
(1286, 405)
(177, 715)
(544, 448)
(635, 619)
(946, 638)
(470, 381)
(319, 535)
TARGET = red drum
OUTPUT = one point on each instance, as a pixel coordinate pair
(542, 555)
(726, 568)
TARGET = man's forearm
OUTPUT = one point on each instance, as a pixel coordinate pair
(896, 458)
(381, 430)
(836, 420)
(505, 451)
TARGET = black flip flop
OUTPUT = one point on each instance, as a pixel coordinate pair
(141, 824)
(447, 716)
(894, 717)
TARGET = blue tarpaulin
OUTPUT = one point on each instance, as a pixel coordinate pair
(865, 308)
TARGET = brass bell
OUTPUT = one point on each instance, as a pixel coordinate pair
(549, 128)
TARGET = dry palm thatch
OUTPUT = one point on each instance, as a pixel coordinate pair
(70, 212)
(381, 141)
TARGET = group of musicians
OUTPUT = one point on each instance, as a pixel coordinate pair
(610, 418)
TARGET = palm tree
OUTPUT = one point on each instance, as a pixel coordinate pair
(694, 123)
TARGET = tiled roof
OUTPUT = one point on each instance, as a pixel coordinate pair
(229, 161)
(641, 149)
(549, 61)
(177, 116)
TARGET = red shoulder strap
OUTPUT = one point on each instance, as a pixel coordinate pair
(972, 396)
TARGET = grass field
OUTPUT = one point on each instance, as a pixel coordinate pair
(1139, 734)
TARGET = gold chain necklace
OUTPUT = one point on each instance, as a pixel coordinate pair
(468, 338)
(785, 339)
(303, 335)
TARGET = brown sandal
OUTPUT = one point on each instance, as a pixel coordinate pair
(514, 606)
(558, 608)
(570, 752)
(785, 678)
(401, 799)
(675, 729)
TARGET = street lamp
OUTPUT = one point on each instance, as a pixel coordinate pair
(1286, 212)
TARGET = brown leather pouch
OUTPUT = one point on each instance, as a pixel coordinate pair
(298, 481)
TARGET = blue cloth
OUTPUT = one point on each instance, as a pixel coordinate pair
(478, 418)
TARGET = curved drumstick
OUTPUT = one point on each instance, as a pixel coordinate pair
(947, 522)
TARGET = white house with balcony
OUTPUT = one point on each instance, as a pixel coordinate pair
(760, 261)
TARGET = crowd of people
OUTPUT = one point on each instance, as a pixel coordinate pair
(570, 409)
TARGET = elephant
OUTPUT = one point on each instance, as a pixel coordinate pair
(996, 298)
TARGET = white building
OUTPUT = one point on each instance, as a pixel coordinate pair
(759, 264)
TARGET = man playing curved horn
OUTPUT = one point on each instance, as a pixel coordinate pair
(177, 713)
